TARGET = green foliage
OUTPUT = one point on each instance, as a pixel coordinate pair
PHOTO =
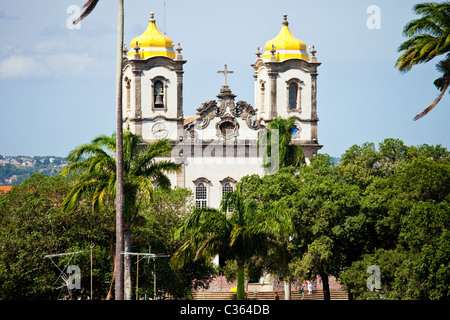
(32, 226)
(428, 35)
(238, 231)
(155, 230)
(96, 168)
(406, 209)
(387, 206)
(289, 154)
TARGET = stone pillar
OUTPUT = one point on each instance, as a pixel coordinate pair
(180, 115)
(314, 95)
(178, 65)
(273, 94)
(287, 290)
(314, 117)
(179, 93)
(137, 102)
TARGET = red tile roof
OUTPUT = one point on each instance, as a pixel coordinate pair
(5, 189)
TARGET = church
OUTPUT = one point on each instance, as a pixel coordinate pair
(217, 146)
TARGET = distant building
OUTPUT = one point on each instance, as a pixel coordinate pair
(5, 189)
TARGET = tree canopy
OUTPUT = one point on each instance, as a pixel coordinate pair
(32, 226)
(385, 206)
(237, 232)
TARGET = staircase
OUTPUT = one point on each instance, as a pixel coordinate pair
(315, 295)
(269, 295)
(212, 295)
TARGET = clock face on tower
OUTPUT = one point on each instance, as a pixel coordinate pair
(160, 130)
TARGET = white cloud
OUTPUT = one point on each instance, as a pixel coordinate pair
(21, 67)
(70, 64)
(50, 66)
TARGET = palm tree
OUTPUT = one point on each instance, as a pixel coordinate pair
(429, 37)
(441, 84)
(97, 168)
(239, 235)
(89, 7)
(289, 154)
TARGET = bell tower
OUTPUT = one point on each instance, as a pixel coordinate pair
(286, 85)
(153, 86)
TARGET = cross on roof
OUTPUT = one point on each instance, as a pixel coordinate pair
(225, 72)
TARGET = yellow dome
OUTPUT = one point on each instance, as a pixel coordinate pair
(286, 45)
(153, 43)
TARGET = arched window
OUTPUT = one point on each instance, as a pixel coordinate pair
(201, 195)
(227, 188)
(128, 92)
(263, 96)
(228, 185)
(158, 95)
(293, 96)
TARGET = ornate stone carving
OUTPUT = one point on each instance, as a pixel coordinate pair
(224, 104)
(208, 111)
(227, 127)
(247, 113)
(206, 106)
(227, 110)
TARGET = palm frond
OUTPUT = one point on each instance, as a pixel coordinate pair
(155, 168)
(98, 197)
(242, 234)
(431, 7)
(182, 256)
(435, 102)
(418, 26)
(158, 149)
(89, 7)
(86, 151)
(419, 49)
(131, 150)
(144, 186)
(104, 141)
(429, 35)
(205, 232)
(75, 194)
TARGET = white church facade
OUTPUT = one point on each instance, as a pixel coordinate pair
(217, 146)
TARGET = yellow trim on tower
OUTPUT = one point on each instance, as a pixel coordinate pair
(283, 42)
(153, 43)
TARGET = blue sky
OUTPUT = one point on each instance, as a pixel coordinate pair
(57, 85)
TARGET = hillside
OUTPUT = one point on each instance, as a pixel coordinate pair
(14, 169)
